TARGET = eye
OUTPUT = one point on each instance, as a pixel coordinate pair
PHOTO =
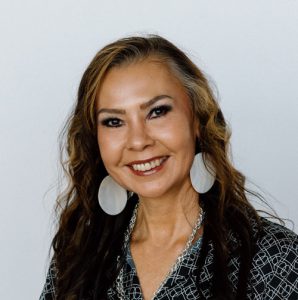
(112, 122)
(159, 111)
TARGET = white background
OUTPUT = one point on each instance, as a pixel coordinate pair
(249, 49)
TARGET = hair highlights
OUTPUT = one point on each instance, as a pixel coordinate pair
(88, 241)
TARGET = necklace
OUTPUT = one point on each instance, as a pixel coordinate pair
(180, 258)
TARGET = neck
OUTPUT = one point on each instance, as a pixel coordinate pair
(167, 219)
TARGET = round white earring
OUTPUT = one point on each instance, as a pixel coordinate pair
(202, 178)
(111, 196)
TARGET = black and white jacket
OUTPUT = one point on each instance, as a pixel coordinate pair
(273, 276)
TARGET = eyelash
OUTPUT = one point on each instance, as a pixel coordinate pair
(161, 111)
(110, 122)
(163, 108)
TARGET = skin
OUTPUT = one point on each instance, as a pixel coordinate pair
(143, 113)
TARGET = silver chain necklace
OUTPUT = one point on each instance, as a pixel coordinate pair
(180, 258)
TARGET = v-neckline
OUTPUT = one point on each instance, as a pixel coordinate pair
(129, 259)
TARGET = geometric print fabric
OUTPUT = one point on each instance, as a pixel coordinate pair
(273, 276)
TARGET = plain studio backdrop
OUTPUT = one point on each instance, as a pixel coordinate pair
(248, 48)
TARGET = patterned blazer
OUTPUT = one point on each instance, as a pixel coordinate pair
(273, 276)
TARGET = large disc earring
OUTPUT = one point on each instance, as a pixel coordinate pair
(112, 198)
(202, 178)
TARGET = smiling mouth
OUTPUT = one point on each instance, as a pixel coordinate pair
(148, 167)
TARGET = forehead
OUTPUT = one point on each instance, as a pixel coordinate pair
(139, 82)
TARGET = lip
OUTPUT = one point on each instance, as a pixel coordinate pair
(135, 162)
(149, 172)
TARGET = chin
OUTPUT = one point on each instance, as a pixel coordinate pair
(152, 194)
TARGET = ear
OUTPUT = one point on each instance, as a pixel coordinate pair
(196, 128)
(196, 133)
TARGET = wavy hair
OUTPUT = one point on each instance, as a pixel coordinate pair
(88, 241)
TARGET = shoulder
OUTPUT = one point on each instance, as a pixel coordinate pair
(276, 239)
(48, 292)
(275, 263)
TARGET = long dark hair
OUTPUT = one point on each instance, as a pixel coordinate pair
(88, 241)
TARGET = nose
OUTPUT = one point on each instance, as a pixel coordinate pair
(138, 137)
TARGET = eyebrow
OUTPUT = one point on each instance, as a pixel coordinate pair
(142, 106)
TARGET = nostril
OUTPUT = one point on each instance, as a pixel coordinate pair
(138, 139)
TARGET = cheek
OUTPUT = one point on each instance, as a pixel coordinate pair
(176, 132)
(109, 148)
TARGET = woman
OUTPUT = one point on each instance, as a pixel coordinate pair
(154, 208)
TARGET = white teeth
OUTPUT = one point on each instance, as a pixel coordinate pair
(152, 164)
(148, 165)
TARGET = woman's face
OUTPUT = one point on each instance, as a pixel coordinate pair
(146, 133)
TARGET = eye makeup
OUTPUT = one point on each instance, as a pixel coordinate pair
(159, 111)
(111, 122)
